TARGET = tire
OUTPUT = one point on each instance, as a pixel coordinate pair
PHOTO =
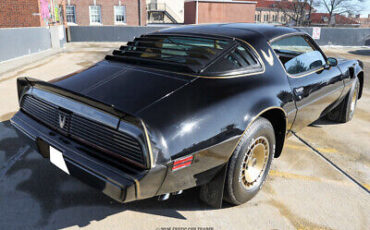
(241, 183)
(345, 110)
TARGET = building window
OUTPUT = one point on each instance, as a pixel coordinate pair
(259, 18)
(71, 14)
(274, 18)
(266, 18)
(282, 18)
(95, 14)
(119, 14)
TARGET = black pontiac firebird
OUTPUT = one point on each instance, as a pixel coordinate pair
(204, 105)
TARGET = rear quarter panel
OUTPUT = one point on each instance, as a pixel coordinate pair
(350, 69)
(207, 117)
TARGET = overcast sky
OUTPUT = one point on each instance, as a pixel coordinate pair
(365, 6)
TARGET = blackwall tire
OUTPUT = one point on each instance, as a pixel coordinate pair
(250, 163)
(352, 102)
(345, 110)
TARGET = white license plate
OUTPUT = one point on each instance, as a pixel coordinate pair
(56, 157)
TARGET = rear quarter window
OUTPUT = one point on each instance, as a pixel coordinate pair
(239, 60)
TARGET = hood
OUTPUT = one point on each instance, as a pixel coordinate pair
(126, 87)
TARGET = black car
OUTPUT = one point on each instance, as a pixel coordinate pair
(203, 105)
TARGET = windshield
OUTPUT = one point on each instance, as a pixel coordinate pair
(173, 52)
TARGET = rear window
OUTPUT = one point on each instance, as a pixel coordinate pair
(172, 52)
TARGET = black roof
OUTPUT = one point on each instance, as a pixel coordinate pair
(236, 30)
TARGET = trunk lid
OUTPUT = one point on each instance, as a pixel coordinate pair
(126, 87)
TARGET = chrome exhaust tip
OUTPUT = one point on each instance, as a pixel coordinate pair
(164, 197)
(178, 192)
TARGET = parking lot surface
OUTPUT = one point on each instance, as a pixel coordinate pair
(321, 180)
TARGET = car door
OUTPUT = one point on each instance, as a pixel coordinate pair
(316, 86)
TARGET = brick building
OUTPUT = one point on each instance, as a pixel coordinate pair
(364, 22)
(213, 11)
(322, 19)
(281, 12)
(39, 13)
(106, 12)
(31, 13)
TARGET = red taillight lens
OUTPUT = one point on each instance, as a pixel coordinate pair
(182, 163)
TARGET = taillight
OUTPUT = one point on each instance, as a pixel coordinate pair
(182, 163)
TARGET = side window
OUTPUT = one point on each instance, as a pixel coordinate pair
(240, 59)
(297, 54)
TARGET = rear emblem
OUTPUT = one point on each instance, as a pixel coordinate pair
(62, 121)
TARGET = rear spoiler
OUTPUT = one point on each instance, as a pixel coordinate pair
(25, 83)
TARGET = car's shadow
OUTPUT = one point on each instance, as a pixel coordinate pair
(36, 194)
(361, 52)
(323, 121)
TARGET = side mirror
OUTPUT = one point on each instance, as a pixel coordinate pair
(332, 61)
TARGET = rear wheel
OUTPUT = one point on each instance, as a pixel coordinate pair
(344, 111)
(250, 162)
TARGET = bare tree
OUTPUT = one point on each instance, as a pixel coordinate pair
(297, 11)
(312, 4)
(335, 7)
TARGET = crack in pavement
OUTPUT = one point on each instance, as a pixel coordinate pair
(332, 163)
(12, 161)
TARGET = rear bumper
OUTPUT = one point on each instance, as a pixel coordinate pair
(120, 184)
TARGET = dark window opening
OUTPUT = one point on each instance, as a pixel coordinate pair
(172, 52)
(239, 60)
(298, 54)
(189, 54)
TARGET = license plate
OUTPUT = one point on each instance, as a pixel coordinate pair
(56, 157)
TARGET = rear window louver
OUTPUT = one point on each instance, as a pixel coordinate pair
(172, 52)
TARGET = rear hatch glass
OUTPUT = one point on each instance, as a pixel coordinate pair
(172, 52)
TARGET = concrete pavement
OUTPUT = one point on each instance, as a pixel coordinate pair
(303, 191)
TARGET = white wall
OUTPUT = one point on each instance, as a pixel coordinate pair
(176, 5)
